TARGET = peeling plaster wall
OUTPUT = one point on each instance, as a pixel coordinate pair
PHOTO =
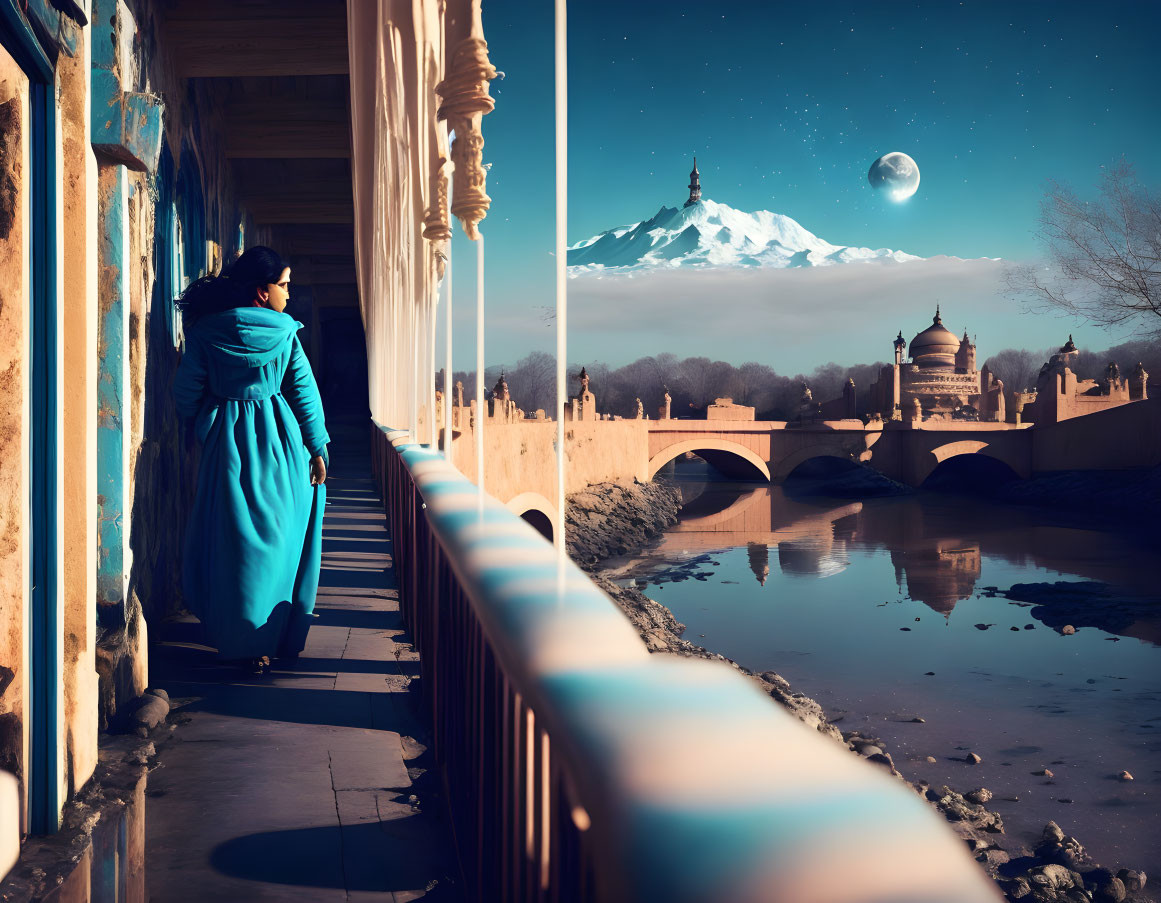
(15, 289)
(79, 401)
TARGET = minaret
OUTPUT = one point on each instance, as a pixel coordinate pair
(694, 186)
(965, 357)
(897, 374)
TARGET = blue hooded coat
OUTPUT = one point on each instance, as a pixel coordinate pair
(253, 545)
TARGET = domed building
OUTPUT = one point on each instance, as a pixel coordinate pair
(940, 382)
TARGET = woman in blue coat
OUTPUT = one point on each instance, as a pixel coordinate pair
(254, 540)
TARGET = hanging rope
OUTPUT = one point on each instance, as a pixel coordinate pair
(432, 318)
(448, 379)
(480, 366)
(561, 265)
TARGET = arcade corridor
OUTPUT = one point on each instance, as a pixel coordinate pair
(312, 783)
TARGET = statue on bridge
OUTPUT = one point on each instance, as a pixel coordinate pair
(584, 406)
(500, 390)
(666, 402)
(807, 406)
(503, 408)
(457, 400)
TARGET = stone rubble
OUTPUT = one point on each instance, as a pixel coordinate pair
(610, 519)
(48, 860)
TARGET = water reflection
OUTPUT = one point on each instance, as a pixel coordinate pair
(936, 544)
(889, 608)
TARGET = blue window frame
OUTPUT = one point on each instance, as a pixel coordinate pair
(168, 247)
(178, 274)
(180, 237)
(192, 209)
(46, 616)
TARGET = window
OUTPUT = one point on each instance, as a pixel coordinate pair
(178, 277)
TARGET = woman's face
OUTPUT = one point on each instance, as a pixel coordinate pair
(276, 294)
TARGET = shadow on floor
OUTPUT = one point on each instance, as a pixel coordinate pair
(371, 620)
(376, 856)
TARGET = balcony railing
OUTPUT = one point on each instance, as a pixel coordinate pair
(581, 767)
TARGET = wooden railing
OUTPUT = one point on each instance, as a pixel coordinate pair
(582, 768)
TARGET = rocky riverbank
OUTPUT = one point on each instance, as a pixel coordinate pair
(1123, 496)
(624, 519)
(610, 519)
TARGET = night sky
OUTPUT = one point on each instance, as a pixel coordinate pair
(786, 106)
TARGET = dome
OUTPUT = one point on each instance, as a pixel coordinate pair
(935, 346)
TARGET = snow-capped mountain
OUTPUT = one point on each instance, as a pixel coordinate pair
(708, 234)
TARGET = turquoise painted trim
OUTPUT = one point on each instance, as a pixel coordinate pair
(18, 38)
(58, 28)
(167, 286)
(112, 419)
(45, 794)
(45, 622)
(126, 125)
(104, 46)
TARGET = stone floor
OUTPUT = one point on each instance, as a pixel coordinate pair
(311, 784)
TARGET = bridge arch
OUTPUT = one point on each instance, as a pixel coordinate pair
(927, 465)
(785, 466)
(536, 510)
(720, 453)
(739, 505)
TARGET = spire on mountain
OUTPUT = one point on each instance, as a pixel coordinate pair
(694, 186)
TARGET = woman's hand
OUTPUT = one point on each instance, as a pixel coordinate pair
(318, 471)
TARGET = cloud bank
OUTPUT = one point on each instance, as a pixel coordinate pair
(790, 319)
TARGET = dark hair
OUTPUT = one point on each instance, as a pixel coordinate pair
(236, 286)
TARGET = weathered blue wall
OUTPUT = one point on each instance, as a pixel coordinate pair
(112, 394)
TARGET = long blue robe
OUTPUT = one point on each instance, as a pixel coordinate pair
(253, 545)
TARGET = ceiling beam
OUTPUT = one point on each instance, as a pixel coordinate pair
(294, 190)
(223, 38)
(316, 98)
(286, 139)
(300, 210)
(314, 240)
(288, 118)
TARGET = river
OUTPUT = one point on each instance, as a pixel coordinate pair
(887, 610)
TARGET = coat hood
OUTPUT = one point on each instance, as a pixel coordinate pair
(249, 336)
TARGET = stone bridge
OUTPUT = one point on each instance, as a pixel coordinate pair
(771, 450)
(521, 463)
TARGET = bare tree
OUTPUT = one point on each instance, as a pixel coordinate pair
(1018, 368)
(1105, 255)
(532, 382)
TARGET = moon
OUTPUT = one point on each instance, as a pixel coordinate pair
(895, 174)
